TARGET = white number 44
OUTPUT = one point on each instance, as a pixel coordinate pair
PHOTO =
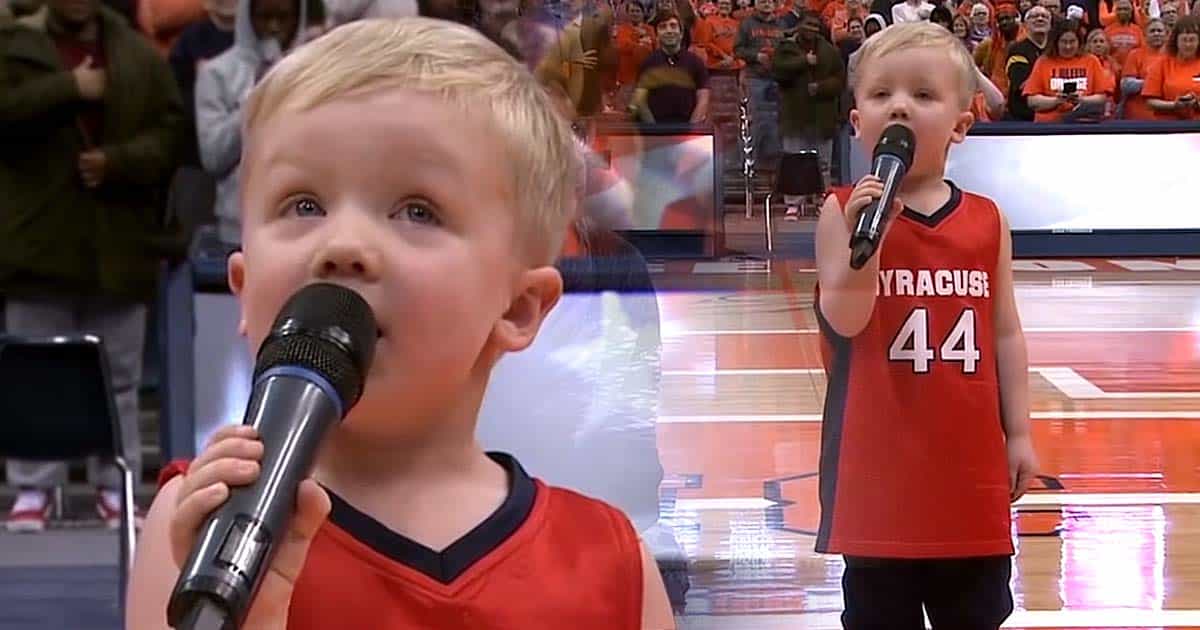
(912, 342)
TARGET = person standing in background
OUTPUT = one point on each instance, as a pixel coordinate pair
(811, 77)
(1021, 57)
(757, 38)
(90, 126)
(264, 31)
(1137, 67)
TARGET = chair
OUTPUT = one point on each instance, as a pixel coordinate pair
(799, 174)
(56, 403)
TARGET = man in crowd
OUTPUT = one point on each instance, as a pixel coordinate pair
(1021, 57)
(90, 124)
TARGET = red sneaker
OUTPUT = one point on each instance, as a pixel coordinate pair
(30, 512)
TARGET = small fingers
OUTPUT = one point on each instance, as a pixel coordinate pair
(232, 471)
(190, 514)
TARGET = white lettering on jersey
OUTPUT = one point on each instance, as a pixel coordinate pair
(934, 283)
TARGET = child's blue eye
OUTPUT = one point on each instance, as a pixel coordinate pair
(306, 208)
(416, 212)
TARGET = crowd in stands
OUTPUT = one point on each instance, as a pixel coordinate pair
(102, 104)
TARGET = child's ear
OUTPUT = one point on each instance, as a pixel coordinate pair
(854, 122)
(538, 291)
(236, 271)
(961, 126)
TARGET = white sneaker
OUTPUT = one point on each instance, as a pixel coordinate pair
(108, 507)
(792, 214)
(30, 512)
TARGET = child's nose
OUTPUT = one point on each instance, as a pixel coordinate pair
(898, 109)
(342, 259)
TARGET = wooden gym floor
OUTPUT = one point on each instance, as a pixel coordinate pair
(1110, 539)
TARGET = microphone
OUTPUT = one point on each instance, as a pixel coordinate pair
(308, 373)
(893, 158)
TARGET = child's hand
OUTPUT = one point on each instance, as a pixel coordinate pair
(232, 459)
(1022, 465)
(868, 189)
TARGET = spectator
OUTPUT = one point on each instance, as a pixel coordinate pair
(582, 52)
(1107, 10)
(981, 25)
(873, 24)
(757, 38)
(1023, 6)
(673, 83)
(1137, 67)
(1123, 34)
(811, 77)
(635, 42)
(1066, 83)
(198, 43)
(989, 101)
(1171, 88)
(991, 53)
(264, 31)
(911, 11)
(743, 9)
(1054, 7)
(944, 18)
(855, 35)
(1169, 14)
(961, 27)
(1021, 57)
(716, 34)
(6, 15)
(837, 16)
(1097, 44)
(90, 121)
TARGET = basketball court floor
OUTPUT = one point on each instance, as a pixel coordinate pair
(1110, 538)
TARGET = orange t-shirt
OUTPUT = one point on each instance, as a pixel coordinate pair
(1050, 74)
(1122, 39)
(716, 36)
(1171, 78)
(1138, 65)
(635, 42)
(1109, 16)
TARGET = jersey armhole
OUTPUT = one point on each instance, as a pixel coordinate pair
(630, 563)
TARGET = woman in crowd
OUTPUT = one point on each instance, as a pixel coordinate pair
(1171, 88)
(1067, 84)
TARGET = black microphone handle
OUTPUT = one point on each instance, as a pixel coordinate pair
(292, 409)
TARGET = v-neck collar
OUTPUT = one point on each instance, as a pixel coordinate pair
(447, 565)
(942, 213)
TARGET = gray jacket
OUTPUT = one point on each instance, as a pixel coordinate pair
(222, 86)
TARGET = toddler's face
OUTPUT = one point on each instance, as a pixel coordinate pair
(902, 88)
(416, 212)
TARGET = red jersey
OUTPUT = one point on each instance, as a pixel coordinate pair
(547, 558)
(913, 461)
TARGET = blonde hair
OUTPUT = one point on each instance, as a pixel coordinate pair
(913, 35)
(469, 72)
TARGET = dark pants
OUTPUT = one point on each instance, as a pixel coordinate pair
(958, 593)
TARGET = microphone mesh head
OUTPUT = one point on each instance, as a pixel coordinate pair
(899, 141)
(326, 328)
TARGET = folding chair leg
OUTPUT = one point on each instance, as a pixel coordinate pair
(58, 503)
(127, 534)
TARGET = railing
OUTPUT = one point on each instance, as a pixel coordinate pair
(747, 139)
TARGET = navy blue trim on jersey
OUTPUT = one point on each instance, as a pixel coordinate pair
(833, 417)
(445, 566)
(935, 219)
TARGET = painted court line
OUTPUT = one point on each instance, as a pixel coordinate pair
(1034, 329)
(1037, 415)
(830, 620)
